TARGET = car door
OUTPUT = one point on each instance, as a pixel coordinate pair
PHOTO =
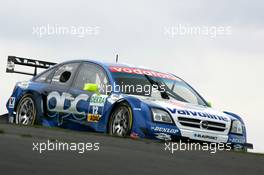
(89, 111)
(59, 101)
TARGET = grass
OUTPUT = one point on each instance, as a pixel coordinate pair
(26, 135)
(2, 131)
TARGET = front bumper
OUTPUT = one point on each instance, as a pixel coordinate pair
(170, 132)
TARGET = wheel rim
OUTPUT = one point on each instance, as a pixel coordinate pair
(120, 124)
(26, 113)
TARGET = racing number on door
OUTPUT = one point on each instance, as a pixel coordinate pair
(96, 107)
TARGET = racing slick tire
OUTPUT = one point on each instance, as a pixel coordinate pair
(26, 111)
(120, 123)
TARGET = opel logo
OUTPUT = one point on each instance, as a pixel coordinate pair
(204, 124)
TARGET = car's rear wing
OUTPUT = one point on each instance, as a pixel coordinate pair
(13, 60)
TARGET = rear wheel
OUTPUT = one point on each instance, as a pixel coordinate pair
(26, 111)
(121, 121)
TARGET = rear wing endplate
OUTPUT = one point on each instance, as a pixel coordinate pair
(13, 60)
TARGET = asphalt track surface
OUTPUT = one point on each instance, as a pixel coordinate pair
(122, 156)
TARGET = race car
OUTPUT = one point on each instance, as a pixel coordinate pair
(118, 99)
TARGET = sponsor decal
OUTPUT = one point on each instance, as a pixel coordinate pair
(196, 114)
(93, 117)
(141, 72)
(65, 105)
(238, 147)
(162, 129)
(12, 101)
(204, 136)
(237, 140)
(25, 61)
(96, 107)
(163, 136)
(98, 100)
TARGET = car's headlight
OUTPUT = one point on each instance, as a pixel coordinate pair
(237, 127)
(161, 116)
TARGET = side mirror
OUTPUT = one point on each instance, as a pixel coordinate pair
(91, 88)
(209, 104)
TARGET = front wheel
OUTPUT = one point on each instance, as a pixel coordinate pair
(26, 111)
(121, 121)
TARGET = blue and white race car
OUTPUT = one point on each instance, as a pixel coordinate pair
(120, 100)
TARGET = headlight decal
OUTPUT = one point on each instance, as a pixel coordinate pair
(237, 127)
(160, 115)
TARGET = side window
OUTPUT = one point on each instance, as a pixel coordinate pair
(64, 74)
(45, 77)
(92, 73)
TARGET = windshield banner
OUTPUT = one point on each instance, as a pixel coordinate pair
(130, 70)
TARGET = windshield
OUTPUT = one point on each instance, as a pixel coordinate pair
(158, 85)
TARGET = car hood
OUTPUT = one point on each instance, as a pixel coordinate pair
(181, 109)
